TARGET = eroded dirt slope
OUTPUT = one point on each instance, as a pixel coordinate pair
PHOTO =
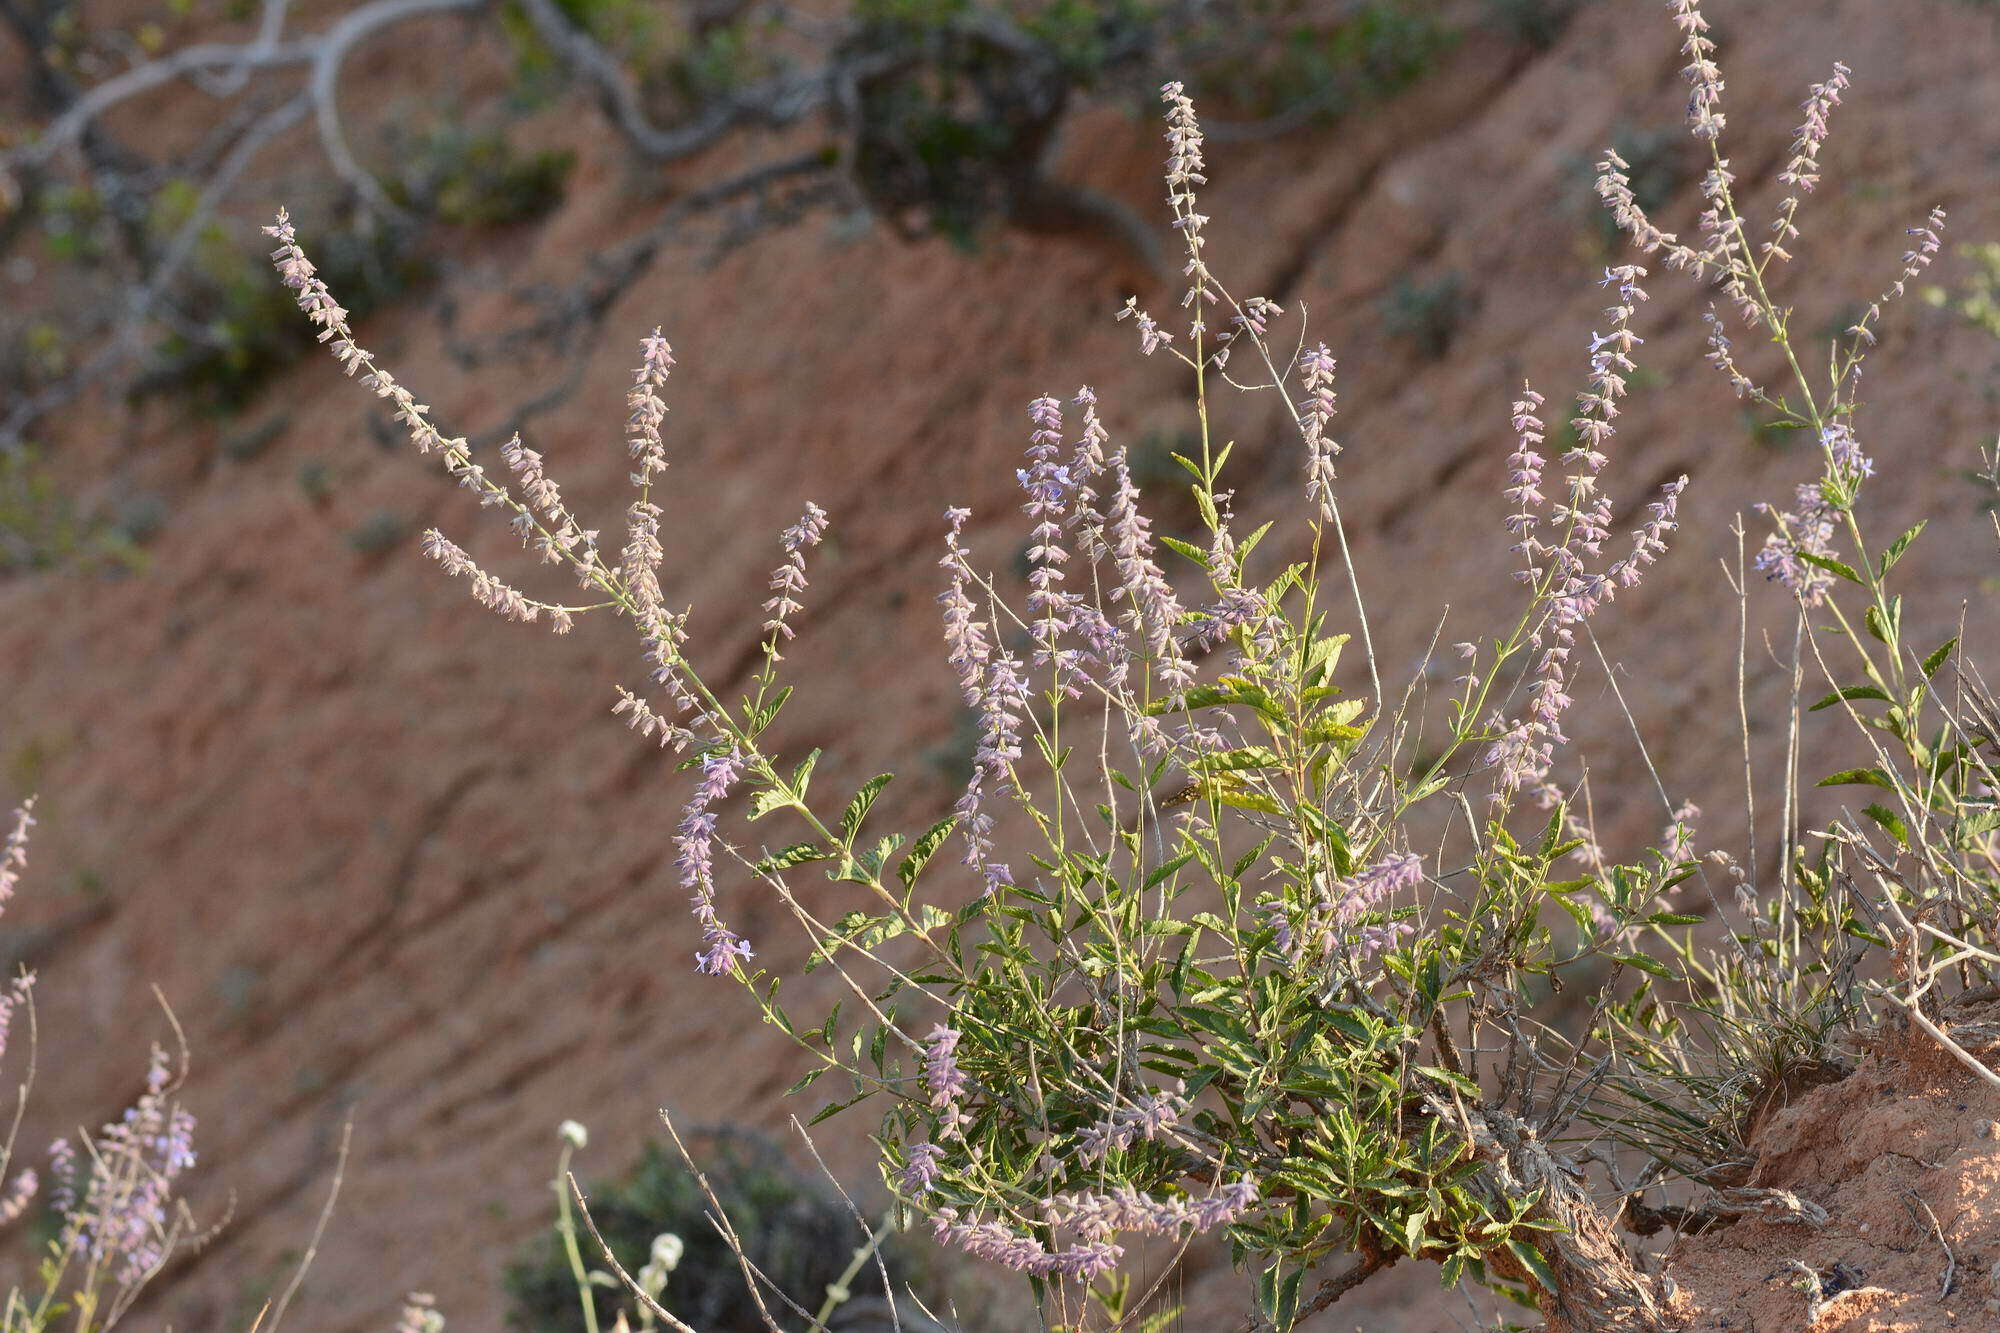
(391, 858)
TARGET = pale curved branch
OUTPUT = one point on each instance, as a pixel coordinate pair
(324, 54)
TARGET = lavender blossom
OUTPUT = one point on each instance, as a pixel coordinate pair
(122, 1219)
(1701, 73)
(19, 1196)
(994, 689)
(946, 1081)
(1524, 480)
(1184, 172)
(923, 1170)
(1048, 484)
(1362, 893)
(1524, 751)
(1151, 336)
(499, 598)
(1806, 530)
(1649, 542)
(1316, 366)
(997, 1243)
(14, 852)
(1150, 1115)
(723, 948)
(1152, 611)
(790, 578)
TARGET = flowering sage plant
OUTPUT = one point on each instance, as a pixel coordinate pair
(1196, 972)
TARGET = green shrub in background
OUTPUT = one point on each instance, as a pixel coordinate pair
(1426, 314)
(793, 1229)
(42, 528)
(1977, 300)
(466, 177)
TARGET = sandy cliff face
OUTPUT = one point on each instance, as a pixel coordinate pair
(391, 858)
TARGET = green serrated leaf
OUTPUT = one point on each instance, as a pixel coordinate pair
(1848, 777)
(1889, 820)
(857, 809)
(1938, 656)
(1832, 566)
(1900, 545)
(1531, 1259)
(924, 849)
(797, 854)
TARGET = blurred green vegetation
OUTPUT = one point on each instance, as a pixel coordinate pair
(43, 528)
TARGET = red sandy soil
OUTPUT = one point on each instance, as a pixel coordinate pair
(392, 860)
(1904, 1154)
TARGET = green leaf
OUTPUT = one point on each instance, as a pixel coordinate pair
(1889, 820)
(1249, 757)
(1644, 964)
(857, 809)
(924, 849)
(1937, 657)
(1675, 919)
(1832, 566)
(1900, 545)
(803, 776)
(797, 854)
(1849, 692)
(767, 800)
(1451, 1080)
(1977, 824)
(1531, 1259)
(1166, 868)
(832, 1109)
(1848, 777)
(1884, 629)
(1188, 549)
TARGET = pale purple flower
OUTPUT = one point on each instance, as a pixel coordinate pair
(14, 852)
(1086, 464)
(1395, 873)
(1807, 530)
(1524, 477)
(1803, 168)
(1649, 541)
(994, 688)
(123, 1217)
(723, 949)
(923, 1169)
(996, 1243)
(1149, 1115)
(1720, 357)
(1704, 78)
(62, 1171)
(1184, 172)
(1918, 257)
(19, 1196)
(1316, 367)
(1152, 611)
(1151, 336)
(1048, 484)
(789, 579)
(497, 597)
(946, 1081)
